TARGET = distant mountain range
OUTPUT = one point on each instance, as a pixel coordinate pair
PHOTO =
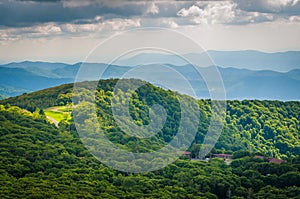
(18, 78)
(24, 77)
(15, 81)
(255, 60)
(252, 60)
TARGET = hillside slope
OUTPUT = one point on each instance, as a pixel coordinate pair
(267, 127)
(37, 160)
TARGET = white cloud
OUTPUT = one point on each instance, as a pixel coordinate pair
(243, 17)
(210, 13)
(122, 24)
(80, 28)
(45, 30)
(69, 29)
(225, 12)
(192, 11)
(170, 23)
(152, 9)
(294, 18)
(48, 29)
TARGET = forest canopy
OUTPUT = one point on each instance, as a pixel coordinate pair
(39, 160)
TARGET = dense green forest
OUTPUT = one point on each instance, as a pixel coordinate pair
(266, 127)
(39, 160)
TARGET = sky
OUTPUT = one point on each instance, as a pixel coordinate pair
(67, 30)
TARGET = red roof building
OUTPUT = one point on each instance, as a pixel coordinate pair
(275, 160)
(272, 160)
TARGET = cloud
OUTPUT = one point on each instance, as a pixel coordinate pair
(16, 13)
(152, 9)
(222, 12)
(30, 13)
(33, 18)
(282, 7)
(170, 23)
(294, 18)
(210, 13)
(45, 30)
(192, 11)
(68, 29)
(108, 25)
(252, 17)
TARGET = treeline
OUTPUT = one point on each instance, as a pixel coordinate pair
(40, 99)
(37, 160)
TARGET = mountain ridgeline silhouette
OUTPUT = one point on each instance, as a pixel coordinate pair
(246, 74)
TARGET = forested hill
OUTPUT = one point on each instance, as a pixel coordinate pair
(270, 128)
(40, 99)
(38, 160)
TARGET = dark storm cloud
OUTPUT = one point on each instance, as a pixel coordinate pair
(20, 13)
(28, 13)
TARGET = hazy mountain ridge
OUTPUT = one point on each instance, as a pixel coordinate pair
(248, 59)
(17, 78)
(15, 81)
(256, 60)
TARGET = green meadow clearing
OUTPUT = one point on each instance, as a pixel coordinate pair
(59, 113)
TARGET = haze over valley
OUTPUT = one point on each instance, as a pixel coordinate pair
(246, 74)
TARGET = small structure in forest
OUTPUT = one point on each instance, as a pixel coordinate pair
(272, 160)
(275, 160)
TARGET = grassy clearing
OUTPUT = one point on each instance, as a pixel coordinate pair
(59, 113)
